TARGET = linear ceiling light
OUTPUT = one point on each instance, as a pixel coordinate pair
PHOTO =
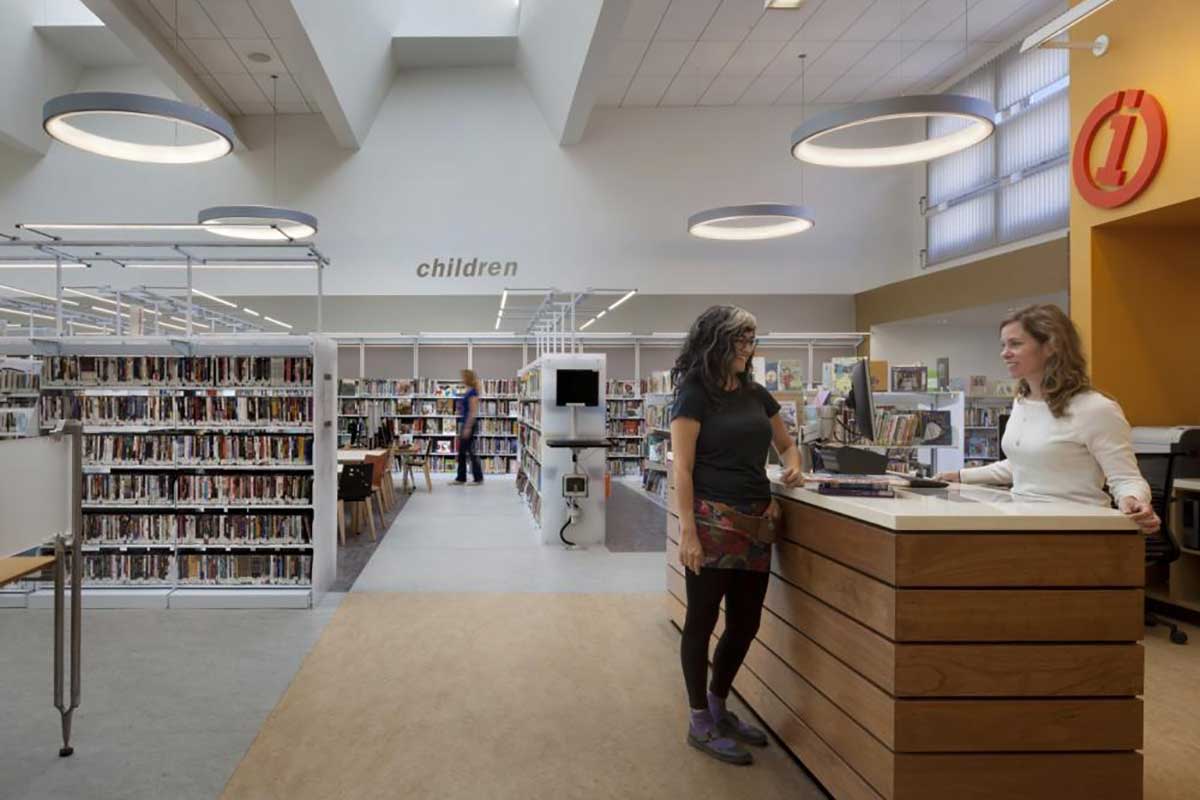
(628, 295)
(220, 265)
(215, 299)
(498, 318)
(752, 221)
(89, 325)
(173, 327)
(1044, 35)
(18, 313)
(783, 4)
(504, 299)
(89, 296)
(195, 324)
(587, 324)
(38, 295)
(40, 265)
(979, 114)
(111, 311)
(251, 312)
(111, 226)
(277, 322)
(60, 113)
(264, 223)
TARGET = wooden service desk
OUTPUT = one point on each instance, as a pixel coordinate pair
(950, 645)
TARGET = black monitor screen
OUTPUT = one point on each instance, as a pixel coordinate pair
(577, 387)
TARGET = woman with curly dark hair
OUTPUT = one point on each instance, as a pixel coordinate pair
(722, 425)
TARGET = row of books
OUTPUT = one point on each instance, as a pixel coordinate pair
(19, 421)
(531, 414)
(492, 465)
(624, 388)
(127, 568)
(168, 410)
(658, 416)
(657, 449)
(219, 529)
(527, 488)
(982, 444)
(13, 381)
(221, 489)
(226, 569)
(529, 385)
(628, 447)
(895, 428)
(178, 370)
(626, 427)
(531, 439)
(623, 466)
(624, 408)
(208, 449)
(483, 447)
(983, 416)
(659, 382)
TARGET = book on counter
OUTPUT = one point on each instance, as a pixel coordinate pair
(856, 488)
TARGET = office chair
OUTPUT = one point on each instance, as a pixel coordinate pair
(1162, 547)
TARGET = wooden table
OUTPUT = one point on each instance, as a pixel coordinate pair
(16, 567)
(950, 646)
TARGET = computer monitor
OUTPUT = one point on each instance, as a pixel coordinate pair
(577, 387)
(859, 399)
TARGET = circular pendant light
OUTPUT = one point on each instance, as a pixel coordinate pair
(265, 223)
(60, 114)
(750, 222)
(978, 114)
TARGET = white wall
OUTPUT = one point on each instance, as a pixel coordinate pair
(34, 72)
(460, 163)
(972, 350)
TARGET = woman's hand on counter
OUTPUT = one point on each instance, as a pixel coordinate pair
(950, 477)
(1141, 513)
(791, 477)
(691, 554)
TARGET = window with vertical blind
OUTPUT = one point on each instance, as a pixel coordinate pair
(1016, 183)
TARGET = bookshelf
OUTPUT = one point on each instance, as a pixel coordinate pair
(209, 478)
(19, 392)
(902, 431)
(626, 426)
(427, 408)
(983, 429)
(657, 399)
(529, 416)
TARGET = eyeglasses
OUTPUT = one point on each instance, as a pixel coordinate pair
(746, 342)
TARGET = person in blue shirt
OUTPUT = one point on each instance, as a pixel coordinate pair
(468, 419)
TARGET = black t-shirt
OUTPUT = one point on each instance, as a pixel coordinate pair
(731, 450)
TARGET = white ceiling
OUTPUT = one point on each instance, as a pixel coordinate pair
(727, 52)
(216, 37)
(89, 46)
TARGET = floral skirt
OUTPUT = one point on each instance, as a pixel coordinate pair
(726, 548)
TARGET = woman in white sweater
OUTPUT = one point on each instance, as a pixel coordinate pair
(1064, 440)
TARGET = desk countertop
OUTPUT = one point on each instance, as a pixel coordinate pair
(15, 567)
(961, 508)
(1190, 484)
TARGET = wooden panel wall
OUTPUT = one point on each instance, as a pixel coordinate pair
(919, 666)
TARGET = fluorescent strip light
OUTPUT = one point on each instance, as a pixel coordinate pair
(90, 296)
(623, 299)
(25, 314)
(88, 325)
(585, 325)
(239, 265)
(277, 322)
(215, 299)
(195, 324)
(503, 299)
(173, 327)
(112, 311)
(39, 265)
(783, 4)
(112, 226)
(251, 312)
(1062, 23)
(38, 295)
(601, 315)
(497, 323)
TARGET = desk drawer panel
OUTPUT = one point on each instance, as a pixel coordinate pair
(864, 547)
(856, 595)
(1018, 615)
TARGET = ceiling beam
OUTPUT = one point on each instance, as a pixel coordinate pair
(563, 55)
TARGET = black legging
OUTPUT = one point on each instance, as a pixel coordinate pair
(743, 591)
(466, 454)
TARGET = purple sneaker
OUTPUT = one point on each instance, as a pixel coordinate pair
(705, 737)
(729, 726)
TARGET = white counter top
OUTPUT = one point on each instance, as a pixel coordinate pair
(960, 508)
(1190, 484)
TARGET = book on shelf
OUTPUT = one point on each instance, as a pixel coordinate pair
(783, 375)
(245, 569)
(216, 371)
(836, 374)
(977, 386)
(981, 444)
(905, 428)
(624, 388)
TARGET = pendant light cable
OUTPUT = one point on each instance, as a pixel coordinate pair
(274, 139)
(803, 99)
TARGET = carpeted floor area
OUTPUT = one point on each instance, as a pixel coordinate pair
(495, 696)
(358, 549)
(634, 523)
